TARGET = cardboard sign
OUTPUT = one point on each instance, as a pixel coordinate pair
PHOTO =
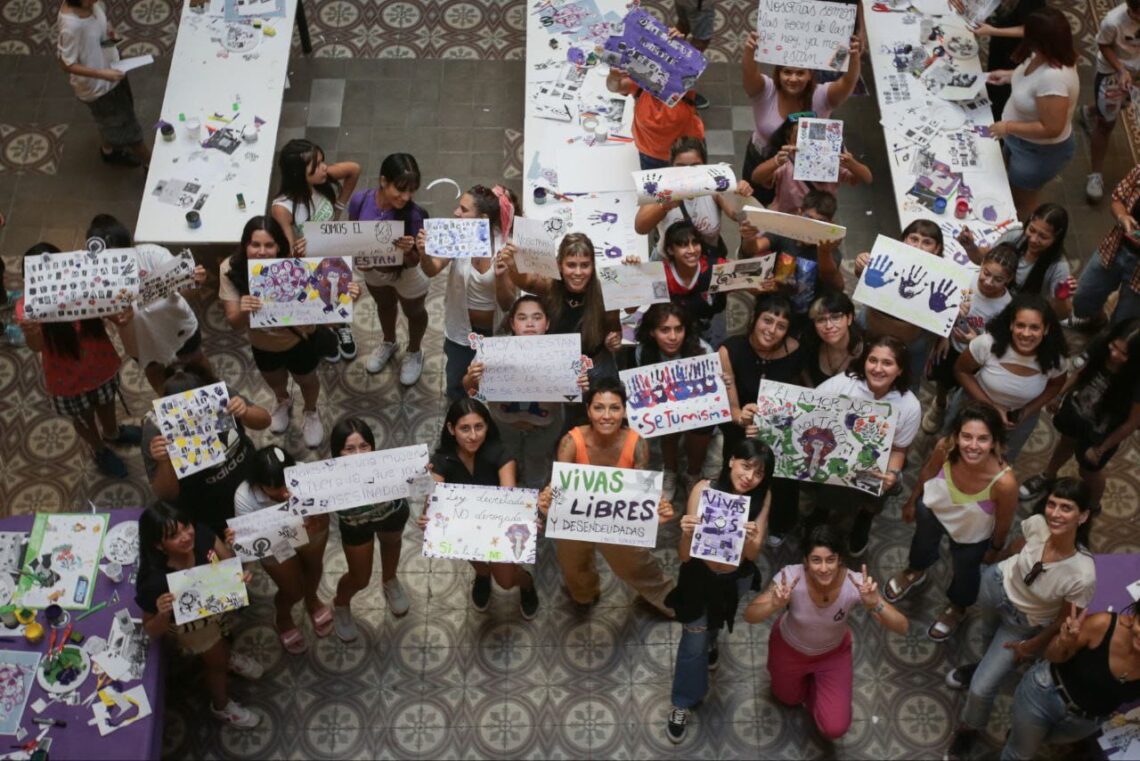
(592, 503)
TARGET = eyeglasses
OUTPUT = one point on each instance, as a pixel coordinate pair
(1037, 569)
(829, 319)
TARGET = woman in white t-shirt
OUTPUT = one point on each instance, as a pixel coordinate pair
(1042, 579)
(882, 374)
(1019, 366)
(1036, 127)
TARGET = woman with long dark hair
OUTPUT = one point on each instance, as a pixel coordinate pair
(688, 275)
(835, 342)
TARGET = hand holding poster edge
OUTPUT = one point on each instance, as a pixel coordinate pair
(597, 503)
(794, 226)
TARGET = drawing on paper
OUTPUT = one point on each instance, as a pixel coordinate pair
(720, 534)
(272, 532)
(308, 291)
(452, 238)
(207, 590)
(739, 274)
(633, 285)
(665, 66)
(482, 523)
(530, 368)
(679, 183)
(818, 150)
(79, 284)
(679, 395)
(17, 672)
(192, 423)
(63, 556)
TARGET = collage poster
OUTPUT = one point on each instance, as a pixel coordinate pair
(308, 291)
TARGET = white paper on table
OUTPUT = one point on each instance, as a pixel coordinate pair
(597, 169)
(739, 274)
(680, 183)
(536, 249)
(1131, 753)
(488, 524)
(207, 590)
(818, 150)
(269, 532)
(453, 238)
(805, 34)
(306, 291)
(675, 396)
(949, 82)
(794, 226)
(719, 536)
(369, 243)
(124, 701)
(130, 64)
(530, 368)
(633, 285)
(959, 149)
(593, 503)
(912, 285)
(608, 220)
(326, 486)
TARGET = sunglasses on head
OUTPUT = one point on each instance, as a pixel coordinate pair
(1037, 569)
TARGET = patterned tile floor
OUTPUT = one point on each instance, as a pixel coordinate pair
(446, 681)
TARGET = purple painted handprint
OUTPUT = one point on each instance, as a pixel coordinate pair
(877, 271)
(910, 286)
(939, 295)
(720, 179)
(604, 217)
(649, 185)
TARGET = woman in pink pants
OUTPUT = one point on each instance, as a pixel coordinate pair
(809, 653)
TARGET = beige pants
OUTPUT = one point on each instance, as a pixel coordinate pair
(636, 566)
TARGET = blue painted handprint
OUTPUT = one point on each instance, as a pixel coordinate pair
(877, 271)
(939, 295)
(909, 286)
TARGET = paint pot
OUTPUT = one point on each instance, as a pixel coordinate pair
(193, 127)
(589, 124)
(167, 131)
(601, 133)
(939, 205)
(113, 571)
(539, 196)
(34, 633)
(193, 220)
(53, 614)
(249, 133)
(9, 619)
(962, 209)
(25, 615)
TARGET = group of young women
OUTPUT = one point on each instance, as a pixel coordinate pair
(1005, 362)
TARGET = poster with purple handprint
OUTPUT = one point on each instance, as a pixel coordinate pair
(664, 66)
(680, 183)
(489, 524)
(670, 397)
(913, 286)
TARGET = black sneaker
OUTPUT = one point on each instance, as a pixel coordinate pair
(528, 601)
(127, 435)
(481, 593)
(700, 101)
(120, 157)
(110, 464)
(959, 678)
(961, 745)
(714, 657)
(675, 730)
(346, 343)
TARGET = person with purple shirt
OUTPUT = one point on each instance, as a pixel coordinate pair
(404, 285)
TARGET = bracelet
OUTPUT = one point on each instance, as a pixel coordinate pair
(877, 609)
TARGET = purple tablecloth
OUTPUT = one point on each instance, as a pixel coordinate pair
(1113, 575)
(141, 739)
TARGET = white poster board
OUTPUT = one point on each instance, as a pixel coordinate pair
(530, 368)
(77, 285)
(207, 590)
(536, 249)
(597, 169)
(626, 286)
(307, 291)
(370, 243)
(805, 34)
(794, 226)
(675, 396)
(453, 238)
(326, 486)
(680, 183)
(740, 274)
(720, 534)
(170, 278)
(591, 503)
(818, 150)
(271, 532)
(489, 524)
(192, 423)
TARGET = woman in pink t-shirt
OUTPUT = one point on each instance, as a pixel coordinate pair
(809, 652)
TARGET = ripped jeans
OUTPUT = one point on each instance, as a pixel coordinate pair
(691, 671)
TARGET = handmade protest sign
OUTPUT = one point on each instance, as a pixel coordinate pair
(79, 284)
(192, 423)
(62, 559)
(326, 486)
(452, 238)
(675, 396)
(607, 218)
(592, 503)
(739, 274)
(720, 534)
(530, 368)
(912, 285)
(207, 590)
(679, 183)
(490, 524)
(794, 226)
(633, 285)
(818, 148)
(806, 34)
(664, 66)
(271, 532)
(170, 278)
(536, 249)
(308, 291)
(367, 243)
(825, 439)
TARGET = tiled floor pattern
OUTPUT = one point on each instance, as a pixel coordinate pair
(447, 681)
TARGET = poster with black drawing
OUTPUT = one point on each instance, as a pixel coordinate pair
(308, 291)
(79, 284)
(633, 285)
(912, 285)
(818, 150)
(207, 590)
(272, 532)
(170, 278)
(340, 483)
(192, 422)
(742, 274)
(452, 238)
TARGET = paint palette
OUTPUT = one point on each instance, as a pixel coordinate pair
(64, 673)
(991, 210)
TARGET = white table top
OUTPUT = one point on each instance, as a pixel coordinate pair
(989, 180)
(206, 78)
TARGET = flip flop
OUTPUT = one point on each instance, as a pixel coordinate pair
(322, 621)
(293, 641)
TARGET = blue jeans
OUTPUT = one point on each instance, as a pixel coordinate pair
(1097, 282)
(649, 162)
(965, 559)
(1015, 438)
(1002, 622)
(691, 672)
(1040, 716)
(458, 358)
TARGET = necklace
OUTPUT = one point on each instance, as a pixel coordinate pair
(574, 303)
(829, 365)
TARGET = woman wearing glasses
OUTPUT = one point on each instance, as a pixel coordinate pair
(1045, 577)
(837, 340)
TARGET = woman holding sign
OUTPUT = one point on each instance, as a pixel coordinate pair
(708, 591)
(470, 452)
(809, 652)
(606, 442)
(477, 289)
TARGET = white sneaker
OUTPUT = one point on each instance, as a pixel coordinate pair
(398, 602)
(245, 667)
(312, 430)
(235, 715)
(279, 418)
(411, 367)
(345, 627)
(1094, 188)
(669, 485)
(379, 357)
